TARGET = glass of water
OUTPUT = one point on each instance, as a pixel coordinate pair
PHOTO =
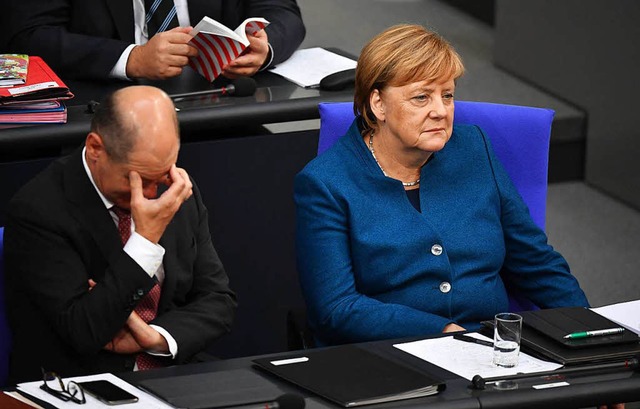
(506, 339)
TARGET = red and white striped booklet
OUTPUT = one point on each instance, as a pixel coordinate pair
(218, 45)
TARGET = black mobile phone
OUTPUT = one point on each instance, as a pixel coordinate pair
(107, 392)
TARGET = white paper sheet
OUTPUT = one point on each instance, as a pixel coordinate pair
(626, 314)
(145, 400)
(307, 67)
(467, 360)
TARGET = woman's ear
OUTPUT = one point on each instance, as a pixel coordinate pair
(377, 105)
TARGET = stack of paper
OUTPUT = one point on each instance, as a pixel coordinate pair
(467, 360)
(308, 67)
(37, 100)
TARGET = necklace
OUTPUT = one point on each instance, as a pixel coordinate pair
(406, 184)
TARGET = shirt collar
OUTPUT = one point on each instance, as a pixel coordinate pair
(107, 203)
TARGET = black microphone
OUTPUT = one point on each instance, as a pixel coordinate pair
(286, 401)
(478, 382)
(240, 87)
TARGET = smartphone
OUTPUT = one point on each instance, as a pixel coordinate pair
(107, 392)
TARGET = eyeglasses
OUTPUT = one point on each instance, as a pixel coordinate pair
(52, 384)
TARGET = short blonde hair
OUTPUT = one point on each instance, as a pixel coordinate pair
(400, 55)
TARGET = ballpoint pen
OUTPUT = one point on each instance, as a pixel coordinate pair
(595, 333)
(461, 337)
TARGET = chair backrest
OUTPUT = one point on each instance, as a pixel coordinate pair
(520, 138)
(5, 334)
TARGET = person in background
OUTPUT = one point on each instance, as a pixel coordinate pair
(409, 225)
(103, 39)
(109, 264)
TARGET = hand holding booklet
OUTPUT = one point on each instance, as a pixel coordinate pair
(218, 45)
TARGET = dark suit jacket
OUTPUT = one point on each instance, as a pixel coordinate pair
(84, 39)
(58, 236)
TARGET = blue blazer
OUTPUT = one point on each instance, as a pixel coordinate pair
(372, 267)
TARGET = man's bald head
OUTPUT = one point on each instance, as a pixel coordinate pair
(131, 116)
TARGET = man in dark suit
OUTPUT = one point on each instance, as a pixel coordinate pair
(97, 39)
(77, 274)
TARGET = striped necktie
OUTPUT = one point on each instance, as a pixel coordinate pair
(160, 16)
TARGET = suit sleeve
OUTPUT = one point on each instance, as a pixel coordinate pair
(202, 307)
(531, 265)
(74, 46)
(286, 29)
(337, 311)
(49, 260)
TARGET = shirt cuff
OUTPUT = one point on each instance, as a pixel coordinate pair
(119, 70)
(173, 346)
(148, 255)
(267, 63)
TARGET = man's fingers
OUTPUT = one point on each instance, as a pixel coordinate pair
(135, 183)
(185, 30)
(188, 186)
(181, 187)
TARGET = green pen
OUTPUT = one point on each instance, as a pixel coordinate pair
(596, 333)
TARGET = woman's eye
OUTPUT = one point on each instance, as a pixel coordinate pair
(447, 96)
(420, 98)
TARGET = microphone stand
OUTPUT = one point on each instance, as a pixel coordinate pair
(478, 382)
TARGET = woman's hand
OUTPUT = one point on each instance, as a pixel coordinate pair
(453, 328)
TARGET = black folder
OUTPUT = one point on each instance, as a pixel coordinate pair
(544, 330)
(213, 389)
(558, 322)
(351, 376)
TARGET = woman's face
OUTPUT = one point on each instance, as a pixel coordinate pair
(418, 115)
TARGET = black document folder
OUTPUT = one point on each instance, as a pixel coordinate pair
(558, 322)
(544, 330)
(213, 389)
(351, 376)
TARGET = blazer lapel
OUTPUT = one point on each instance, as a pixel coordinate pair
(201, 8)
(122, 16)
(170, 264)
(87, 207)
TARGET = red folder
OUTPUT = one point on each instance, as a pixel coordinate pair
(42, 85)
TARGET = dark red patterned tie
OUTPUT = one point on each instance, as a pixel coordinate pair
(147, 308)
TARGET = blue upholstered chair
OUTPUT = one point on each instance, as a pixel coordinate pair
(520, 138)
(5, 335)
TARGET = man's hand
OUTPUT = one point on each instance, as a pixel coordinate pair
(151, 216)
(124, 343)
(137, 336)
(163, 56)
(147, 337)
(252, 59)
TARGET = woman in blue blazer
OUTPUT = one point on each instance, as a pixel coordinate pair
(408, 225)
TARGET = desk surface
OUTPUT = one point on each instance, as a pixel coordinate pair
(201, 118)
(582, 391)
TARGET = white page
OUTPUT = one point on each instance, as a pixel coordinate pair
(626, 314)
(145, 400)
(307, 67)
(467, 359)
